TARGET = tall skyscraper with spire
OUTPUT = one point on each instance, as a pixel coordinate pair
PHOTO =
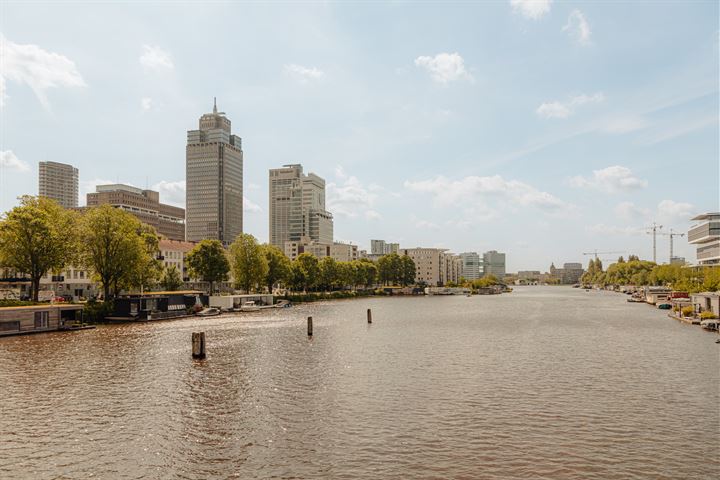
(214, 180)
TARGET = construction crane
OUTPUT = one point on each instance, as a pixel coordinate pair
(653, 229)
(671, 235)
(596, 253)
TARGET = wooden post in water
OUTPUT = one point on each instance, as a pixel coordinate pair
(198, 345)
(369, 316)
(309, 326)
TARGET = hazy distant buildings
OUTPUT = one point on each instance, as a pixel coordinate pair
(494, 264)
(59, 182)
(470, 265)
(341, 252)
(168, 221)
(380, 247)
(297, 207)
(706, 235)
(214, 180)
(568, 275)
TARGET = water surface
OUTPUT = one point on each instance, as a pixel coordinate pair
(545, 382)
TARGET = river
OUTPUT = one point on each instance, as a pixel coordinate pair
(544, 382)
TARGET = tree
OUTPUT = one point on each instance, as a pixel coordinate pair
(329, 273)
(278, 266)
(407, 270)
(390, 268)
(621, 259)
(249, 265)
(171, 279)
(36, 237)
(208, 262)
(306, 271)
(368, 272)
(148, 269)
(633, 258)
(113, 246)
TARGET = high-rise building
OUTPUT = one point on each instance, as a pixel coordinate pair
(706, 235)
(377, 247)
(494, 264)
(297, 207)
(168, 221)
(470, 265)
(214, 180)
(59, 182)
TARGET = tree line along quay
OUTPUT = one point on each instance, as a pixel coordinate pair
(122, 254)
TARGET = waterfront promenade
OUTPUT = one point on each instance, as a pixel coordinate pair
(545, 382)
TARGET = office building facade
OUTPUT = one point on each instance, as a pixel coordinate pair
(470, 265)
(214, 180)
(59, 182)
(494, 264)
(167, 220)
(706, 236)
(297, 207)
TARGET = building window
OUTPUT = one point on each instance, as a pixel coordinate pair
(41, 319)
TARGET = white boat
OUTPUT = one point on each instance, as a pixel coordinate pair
(711, 324)
(249, 306)
(209, 312)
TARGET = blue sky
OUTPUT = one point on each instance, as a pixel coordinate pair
(541, 129)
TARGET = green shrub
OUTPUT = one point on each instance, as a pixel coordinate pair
(16, 303)
(707, 315)
(95, 312)
(688, 311)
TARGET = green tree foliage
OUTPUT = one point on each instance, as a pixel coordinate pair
(633, 258)
(248, 262)
(485, 282)
(329, 273)
(305, 272)
(621, 259)
(278, 266)
(208, 262)
(37, 237)
(407, 270)
(149, 268)
(171, 279)
(367, 272)
(114, 245)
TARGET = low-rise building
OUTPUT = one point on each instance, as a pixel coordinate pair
(706, 302)
(341, 252)
(428, 264)
(167, 220)
(568, 275)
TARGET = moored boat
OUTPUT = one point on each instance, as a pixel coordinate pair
(664, 306)
(209, 312)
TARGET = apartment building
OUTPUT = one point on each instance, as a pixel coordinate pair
(428, 264)
(494, 264)
(341, 252)
(470, 265)
(59, 182)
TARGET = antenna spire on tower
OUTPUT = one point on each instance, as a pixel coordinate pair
(214, 104)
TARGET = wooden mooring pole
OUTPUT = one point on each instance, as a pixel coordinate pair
(309, 326)
(198, 345)
(369, 316)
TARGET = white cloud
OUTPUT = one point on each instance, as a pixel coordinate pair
(424, 224)
(611, 179)
(478, 191)
(156, 58)
(533, 9)
(8, 160)
(172, 193)
(251, 207)
(578, 27)
(303, 74)
(630, 212)
(671, 211)
(445, 67)
(602, 229)
(350, 198)
(564, 110)
(36, 68)
(146, 103)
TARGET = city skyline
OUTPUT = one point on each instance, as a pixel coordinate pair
(543, 146)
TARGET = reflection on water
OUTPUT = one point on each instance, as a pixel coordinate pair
(539, 383)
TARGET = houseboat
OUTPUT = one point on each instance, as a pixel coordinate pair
(155, 306)
(40, 318)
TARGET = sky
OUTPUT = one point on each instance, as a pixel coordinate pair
(541, 129)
